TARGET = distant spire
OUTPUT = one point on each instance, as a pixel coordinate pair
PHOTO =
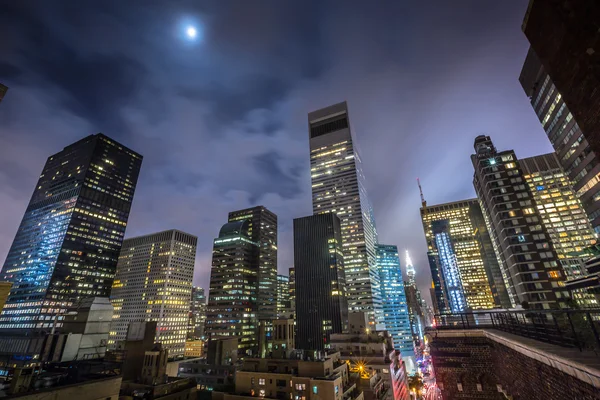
(410, 269)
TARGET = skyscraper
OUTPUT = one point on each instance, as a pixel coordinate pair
(3, 90)
(528, 261)
(293, 292)
(410, 271)
(68, 243)
(573, 149)
(262, 229)
(395, 308)
(198, 312)
(561, 212)
(564, 36)
(463, 262)
(233, 297)
(338, 187)
(154, 283)
(283, 296)
(321, 304)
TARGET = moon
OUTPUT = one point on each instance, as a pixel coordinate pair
(191, 32)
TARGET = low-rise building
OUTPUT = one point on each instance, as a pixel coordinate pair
(372, 358)
(301, 376)
(194, 348)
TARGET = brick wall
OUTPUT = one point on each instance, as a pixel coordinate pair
(479, 364)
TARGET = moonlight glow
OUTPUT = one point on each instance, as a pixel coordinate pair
(191, 32)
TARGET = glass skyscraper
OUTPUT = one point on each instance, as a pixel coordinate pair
(68, 243)
(463, 264)
(395, 308)
(338, 187)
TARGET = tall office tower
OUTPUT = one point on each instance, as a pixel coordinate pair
(395, 308)
(415, 312)
(579, 161)
(262, 229)
(197, 313)
(528, 261)
(462, 257)
(338, 187)
(283, 295)
(568, 226)
(233, 297)
(321, 303)
(3, 90)
(564, 36)
(410, 270)
(68, 243)
(438, 294)
(293, 292)
(154, 283)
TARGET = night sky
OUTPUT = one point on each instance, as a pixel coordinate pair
(222, 121)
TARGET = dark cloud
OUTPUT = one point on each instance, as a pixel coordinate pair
(222, 122)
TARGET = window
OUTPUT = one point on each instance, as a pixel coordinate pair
(261, 392)
(261, 381)
(280, 382)
(315, 390)
(337, 389)
(300, 386)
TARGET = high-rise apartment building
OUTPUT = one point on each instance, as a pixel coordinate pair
(321, 304)
(529, 264)
(463, 261)
(579, 161)
(338, 187)
(564, 36)
(197, 313)
(69, 240)
(3, 90)
(395, 307)
(261, 228)
(154, 283)
(562, 214)
(283, 295)
(233, 297)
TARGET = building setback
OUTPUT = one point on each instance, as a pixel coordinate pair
(232, 310)
(261, 228)
(67, 245)
(564, 37)
(529, 264)
(338, 187)
(321, 303)
(154, 283)
(578, 159)
(567, 224)
(395, 307)
(467, 268)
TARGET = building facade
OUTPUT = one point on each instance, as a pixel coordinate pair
(466, 269)
(395, 307)
(576, 156)
(529, 264)
(154, 283)
(283, 296)
(67, 245)
(564, 35)
(197, 313)
(293, 293)
(232, 310)
(562, 214)
(261, 228)
(321, 303)
(338, 187)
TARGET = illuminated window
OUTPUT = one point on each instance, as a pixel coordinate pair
(554, 274)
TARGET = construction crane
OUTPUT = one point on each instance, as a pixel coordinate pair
(423, 202)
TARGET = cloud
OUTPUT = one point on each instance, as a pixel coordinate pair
(222, 123)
